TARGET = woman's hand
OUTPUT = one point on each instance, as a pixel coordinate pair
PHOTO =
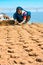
(16, 22)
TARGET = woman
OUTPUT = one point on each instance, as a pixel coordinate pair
(21, 16)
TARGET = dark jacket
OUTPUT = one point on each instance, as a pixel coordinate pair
(18, 17)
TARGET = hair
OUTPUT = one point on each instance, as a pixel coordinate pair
(17, 10)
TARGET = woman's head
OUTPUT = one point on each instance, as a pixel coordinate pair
(19, 10)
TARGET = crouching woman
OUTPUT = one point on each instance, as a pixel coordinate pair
(21, 16)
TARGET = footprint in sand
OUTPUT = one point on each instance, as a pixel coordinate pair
(30, 61)
(35, 40)
(39, 60)
(8, 42)
(25, 46)
(42, 32)
(8, 37)
(39, 31)
(15, 62)
(20, 36)
(28, 50)
(39, 44)
(9, 48)
(10, 51)
(22, 63)
(21, 40)
(33, 54)
(26, 42)
(42, 48)
(0, 56)
(11, 56)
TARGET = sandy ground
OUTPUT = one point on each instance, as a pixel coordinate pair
(21, 45)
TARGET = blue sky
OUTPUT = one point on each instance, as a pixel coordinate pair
(23, 3)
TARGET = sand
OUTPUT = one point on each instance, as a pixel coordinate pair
(21, 44)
